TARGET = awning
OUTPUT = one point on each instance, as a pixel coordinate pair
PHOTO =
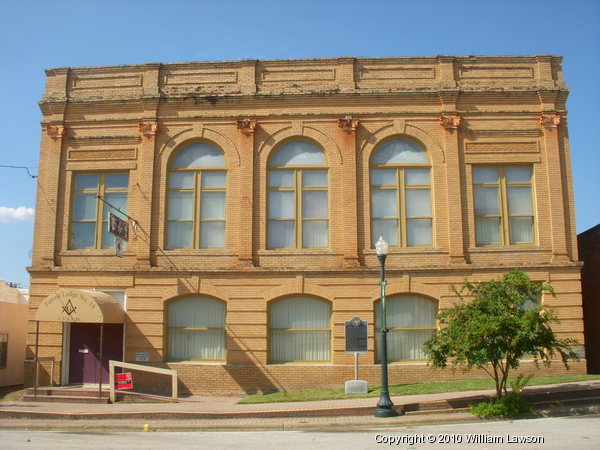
(83, 306)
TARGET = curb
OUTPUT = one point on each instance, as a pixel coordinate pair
(283, 424)
(546, 400)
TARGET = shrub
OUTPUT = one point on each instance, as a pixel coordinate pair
(509, 405)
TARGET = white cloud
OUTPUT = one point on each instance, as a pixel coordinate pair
(20, 214)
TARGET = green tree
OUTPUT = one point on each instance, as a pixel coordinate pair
(494, 325)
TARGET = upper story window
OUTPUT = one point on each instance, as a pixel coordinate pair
(196, 198)
(300, 329)
(401, 194)
(196, 328)
(298, 197)
(503, 205)
(90, 215)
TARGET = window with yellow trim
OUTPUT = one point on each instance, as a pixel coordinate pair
(196, 198)
(503, 205)
(298, 207)
(196, 328)
(411, 321)
(90, 215)
(300, 329)
(401, 194)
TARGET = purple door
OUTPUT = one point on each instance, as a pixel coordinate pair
(85, 351)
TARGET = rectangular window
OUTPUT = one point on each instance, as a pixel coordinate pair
(196, 209)
(503, 205)
(3, 350)
(401, 206)
(90, 214)
(298, 209)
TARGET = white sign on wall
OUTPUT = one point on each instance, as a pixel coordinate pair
(142, 356)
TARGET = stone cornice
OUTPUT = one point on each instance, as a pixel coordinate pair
(327, 76)
(466, 269)
(211, 99)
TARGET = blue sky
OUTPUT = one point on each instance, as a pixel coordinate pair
(36, 34)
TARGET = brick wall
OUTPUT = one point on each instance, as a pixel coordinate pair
(135, 118)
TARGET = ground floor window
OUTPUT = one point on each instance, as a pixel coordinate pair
(410, 322)
(300, 329)
(196, 329)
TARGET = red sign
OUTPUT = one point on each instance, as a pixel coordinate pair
(123, 381)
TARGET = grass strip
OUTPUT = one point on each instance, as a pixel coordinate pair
(435, 387)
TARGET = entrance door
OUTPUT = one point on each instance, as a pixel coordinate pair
(85, 351)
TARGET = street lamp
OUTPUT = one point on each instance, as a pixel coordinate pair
(385, 407)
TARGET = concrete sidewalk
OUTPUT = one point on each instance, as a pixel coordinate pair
(198, 412)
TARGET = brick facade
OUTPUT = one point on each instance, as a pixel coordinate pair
(463, 111)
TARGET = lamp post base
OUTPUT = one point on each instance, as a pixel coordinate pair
(385, 407)
(385, 412)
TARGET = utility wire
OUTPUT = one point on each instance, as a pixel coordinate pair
(20, 167)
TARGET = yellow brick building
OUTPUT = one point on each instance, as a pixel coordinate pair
(254, 192)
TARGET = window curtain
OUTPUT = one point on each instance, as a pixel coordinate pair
(519, 204)
(300, 329)
(404, 312)
(197, 329)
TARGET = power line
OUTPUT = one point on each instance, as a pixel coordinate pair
(20, 167)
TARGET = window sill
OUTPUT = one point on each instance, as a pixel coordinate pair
(407, 251)
(93, 252)
(197, 362)
(296, 363)
(525, 248)
(197, 251)
(298, 251)
(406, 362)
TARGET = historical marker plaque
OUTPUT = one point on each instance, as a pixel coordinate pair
(356, 336)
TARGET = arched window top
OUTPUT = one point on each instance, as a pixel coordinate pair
(197, 311)
(406, 311)
(199, 154)
(300, 312)
(298, 153)
(399, 151)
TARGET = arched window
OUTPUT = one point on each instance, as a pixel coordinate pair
(300, 329)
(196, 198)
(298, 198)
(196, 329)
(410, 320)
(401, 194)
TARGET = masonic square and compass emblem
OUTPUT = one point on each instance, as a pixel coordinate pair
(68, 308)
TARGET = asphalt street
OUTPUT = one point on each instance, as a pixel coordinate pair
(582, 432)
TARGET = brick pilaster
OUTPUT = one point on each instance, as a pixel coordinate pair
(245, 191)
(142, 199)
